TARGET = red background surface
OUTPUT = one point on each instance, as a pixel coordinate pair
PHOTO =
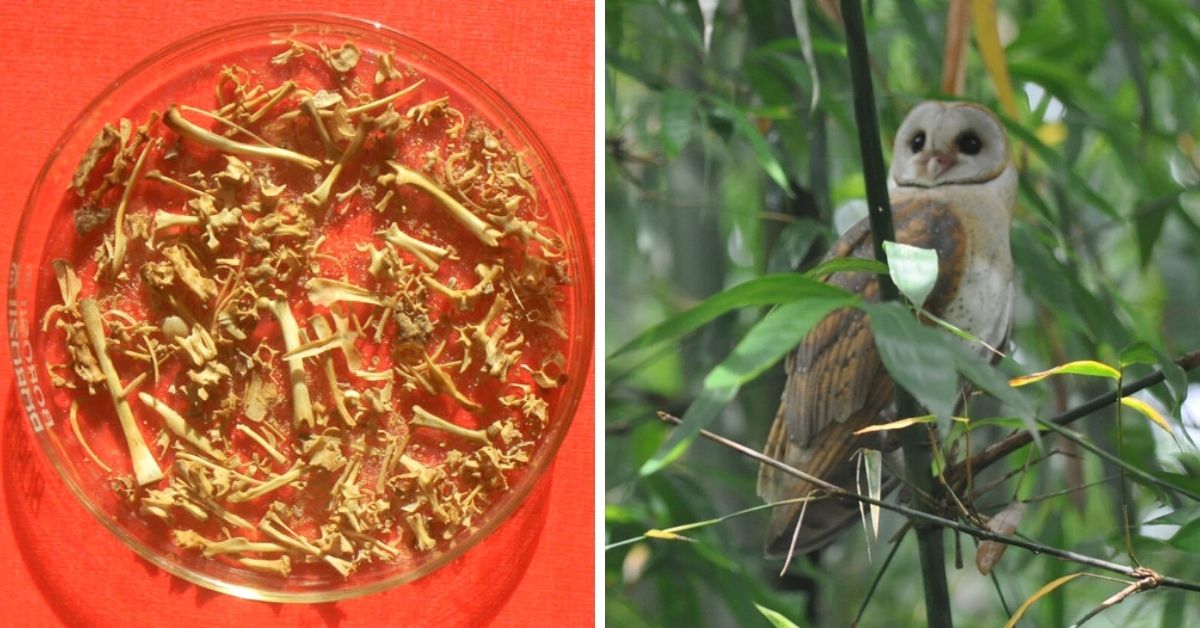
(57, 564)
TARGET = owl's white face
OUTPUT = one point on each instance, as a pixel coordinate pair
(944, 143)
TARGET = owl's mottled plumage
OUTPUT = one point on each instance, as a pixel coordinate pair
(952, 189)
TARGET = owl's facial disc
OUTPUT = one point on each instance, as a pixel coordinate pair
(944, 143)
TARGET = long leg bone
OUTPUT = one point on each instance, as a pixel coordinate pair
(145, 467)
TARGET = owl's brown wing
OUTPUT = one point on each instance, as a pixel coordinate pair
(837, 383)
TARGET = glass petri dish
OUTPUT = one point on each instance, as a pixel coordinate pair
(186, 72)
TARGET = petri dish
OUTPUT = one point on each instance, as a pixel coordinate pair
(187, 78)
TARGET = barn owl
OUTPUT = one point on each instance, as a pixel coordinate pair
(952, 189)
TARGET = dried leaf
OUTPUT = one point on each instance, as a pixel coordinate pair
(1147, 411)
(987, 37)
(896, 425)
(1039, 594)
(1003, 523)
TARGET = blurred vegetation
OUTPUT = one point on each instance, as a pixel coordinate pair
(720, 170)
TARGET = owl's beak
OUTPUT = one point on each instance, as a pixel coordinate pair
(939, 162)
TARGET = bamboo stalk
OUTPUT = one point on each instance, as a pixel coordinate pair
(916, 452)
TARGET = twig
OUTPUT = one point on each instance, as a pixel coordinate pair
(879, 576)
(1000, 593)
(986, 488)
(1068, 491)
(1148, 580)
(979, 533)
(672, 531)
(1052, 495)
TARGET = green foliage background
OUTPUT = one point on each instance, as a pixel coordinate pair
(719, 171)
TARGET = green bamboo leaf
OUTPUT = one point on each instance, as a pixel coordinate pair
(614, 22)
(830, 47)
(1063, 82)
(1174, 609)
(765, 290)
(616, 513)
(678, 111)
(917, 357)
(1168, 17)
(777, 619)
(698, 415)
(792, 246)
(914, 270)
(1177, 383)
(619, 62)
(1148, 227)
(1179, 481)
(773, 337)
(1003, 422)
(1089, 368)
(1075, 183)
(914, 20)
(927, 363)
(1140, 352)
(682, 25)
(990, 380)
(758, 144)
(846, 264)
(1180, 516)
(800, 20)
(1119, 18)
(1187, 538)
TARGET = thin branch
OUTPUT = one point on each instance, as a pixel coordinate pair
(979, 533)
(1000, 593)
(673, 531)
(879, 576)
(1068, 491)
(987, 488)
(1018, 439)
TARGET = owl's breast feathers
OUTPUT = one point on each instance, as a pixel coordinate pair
(837, 383)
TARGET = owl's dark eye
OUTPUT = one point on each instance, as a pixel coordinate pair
(970, 143)
(917, 142)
